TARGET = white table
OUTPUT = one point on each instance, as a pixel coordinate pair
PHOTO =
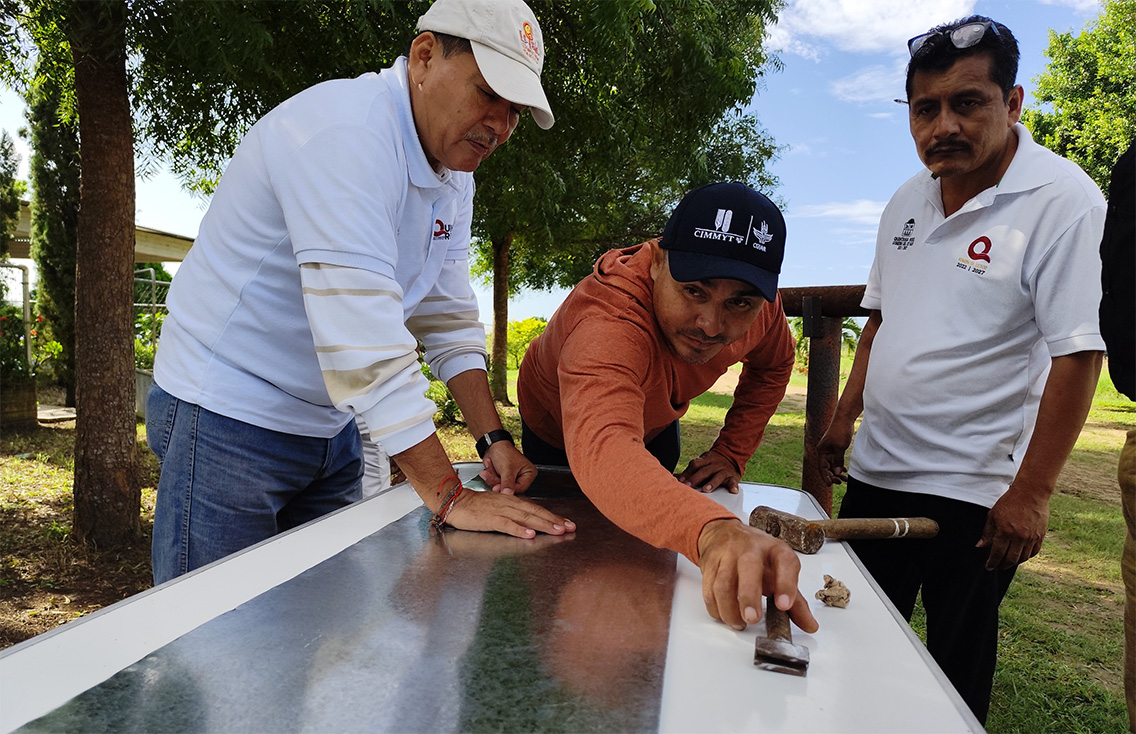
(868, 671)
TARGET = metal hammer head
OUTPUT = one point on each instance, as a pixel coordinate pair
(781, 656)
(775, 650)
(799, 533)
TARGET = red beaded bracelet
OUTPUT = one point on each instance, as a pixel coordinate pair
(438, 522)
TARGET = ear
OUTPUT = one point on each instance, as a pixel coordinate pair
(1017, 94)
(658, 259)
(422, 50)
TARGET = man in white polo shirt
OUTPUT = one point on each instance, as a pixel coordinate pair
(337, 239)
(978, 363)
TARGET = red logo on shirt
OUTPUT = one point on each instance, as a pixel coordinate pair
(443, 230)
(980, 249)
(979, 254)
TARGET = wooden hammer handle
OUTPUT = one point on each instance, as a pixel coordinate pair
(873, 528)
(807, 536)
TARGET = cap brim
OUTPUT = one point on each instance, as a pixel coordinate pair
(515, 82)
(689, 267)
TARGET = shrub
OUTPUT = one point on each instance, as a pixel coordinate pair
(520, 335)
(448, 413)
(13, 355)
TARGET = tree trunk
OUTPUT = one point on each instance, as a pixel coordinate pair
(107, 495)
(499, 357)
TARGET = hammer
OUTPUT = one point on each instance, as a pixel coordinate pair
(807, 536)
(776, 651)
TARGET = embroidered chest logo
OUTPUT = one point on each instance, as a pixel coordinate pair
(906, 239)
(442, 230)
(977, 256)
(528, 43)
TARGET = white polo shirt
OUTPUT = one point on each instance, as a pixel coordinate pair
(974, 306)
(330, 247)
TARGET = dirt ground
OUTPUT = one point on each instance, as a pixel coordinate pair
(45, 582)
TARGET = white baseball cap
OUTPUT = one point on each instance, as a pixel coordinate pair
(506, 43)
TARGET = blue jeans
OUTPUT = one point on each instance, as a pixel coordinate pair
(226, 484)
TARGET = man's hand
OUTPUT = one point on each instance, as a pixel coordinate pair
(710, 471)
(506, 469)
(742, 565)
(502, 513)
(1015, 527)
(830, 452)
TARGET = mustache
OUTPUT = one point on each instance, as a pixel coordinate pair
(487, 139)
(702, 336)
(948, 148)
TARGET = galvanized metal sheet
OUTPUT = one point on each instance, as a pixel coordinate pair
(410, 631)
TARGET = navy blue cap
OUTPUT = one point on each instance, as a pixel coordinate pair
(726, 230)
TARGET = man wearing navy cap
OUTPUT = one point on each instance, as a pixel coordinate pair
(603, 388)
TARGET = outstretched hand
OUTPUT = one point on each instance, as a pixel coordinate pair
(503, 513)
(742, 565)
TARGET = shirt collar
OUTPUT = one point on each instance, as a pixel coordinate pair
(422, 174)
(1029, 169)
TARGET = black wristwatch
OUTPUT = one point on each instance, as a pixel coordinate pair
(491, 438)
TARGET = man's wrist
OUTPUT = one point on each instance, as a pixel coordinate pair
(492, 437)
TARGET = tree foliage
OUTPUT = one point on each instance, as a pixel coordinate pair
(1088, 91)
(207, 71)
(9, 193)
(647, 98)
(55, 216)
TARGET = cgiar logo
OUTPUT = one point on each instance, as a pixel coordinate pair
(762, 235)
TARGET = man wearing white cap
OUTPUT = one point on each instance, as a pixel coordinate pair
(336, 241)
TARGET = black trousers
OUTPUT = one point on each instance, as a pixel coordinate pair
(960, 596)
(665, 447)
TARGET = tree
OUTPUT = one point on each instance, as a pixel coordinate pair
(55, 214)
(1089, 88)
(107, 496)
(9, 194)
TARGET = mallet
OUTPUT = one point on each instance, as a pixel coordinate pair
(776, 651)
(807, 536)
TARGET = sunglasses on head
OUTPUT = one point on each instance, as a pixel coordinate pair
(964, 36)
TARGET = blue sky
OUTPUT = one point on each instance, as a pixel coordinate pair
(847, 146)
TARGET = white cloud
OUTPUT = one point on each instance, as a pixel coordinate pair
(861, 211)
(878, 83)
(807, 26)
(882, 115)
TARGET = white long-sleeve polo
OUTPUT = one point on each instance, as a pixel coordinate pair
(330, 248)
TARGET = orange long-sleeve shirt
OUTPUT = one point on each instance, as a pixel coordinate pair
(602, 381)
